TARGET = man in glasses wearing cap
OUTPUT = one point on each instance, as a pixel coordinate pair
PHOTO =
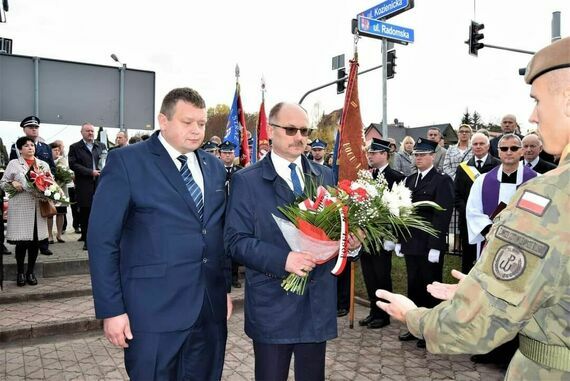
(377, 266)
(521, 283)
(31, 126)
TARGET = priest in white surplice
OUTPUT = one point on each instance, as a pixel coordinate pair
(494, 187)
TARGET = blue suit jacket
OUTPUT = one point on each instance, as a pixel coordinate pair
(271, 314)
(149, 253)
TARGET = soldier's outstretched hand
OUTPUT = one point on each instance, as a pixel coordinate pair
(445, 291)
(398, 304)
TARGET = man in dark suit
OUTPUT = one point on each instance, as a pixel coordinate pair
(423, 252)
(377, 265)
(156, 253)
(84, 162)
(508, 126)
(281, 324)
(532, 147)
(31, 126)
(228, 157)
(465, 175)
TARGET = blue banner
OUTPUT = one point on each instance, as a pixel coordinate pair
(233, 127)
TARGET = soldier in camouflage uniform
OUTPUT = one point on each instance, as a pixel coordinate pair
(522, 282)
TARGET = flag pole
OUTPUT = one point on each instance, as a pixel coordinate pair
(352, 264)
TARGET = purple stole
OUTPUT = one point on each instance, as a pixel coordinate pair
(491, 187)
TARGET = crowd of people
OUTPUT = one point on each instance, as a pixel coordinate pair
(169, 221)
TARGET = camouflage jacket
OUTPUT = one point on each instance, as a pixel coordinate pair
(521, 284)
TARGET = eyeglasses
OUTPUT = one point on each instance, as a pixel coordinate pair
(512, 148)
(292, 131)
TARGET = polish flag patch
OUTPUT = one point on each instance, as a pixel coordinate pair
(533, 203)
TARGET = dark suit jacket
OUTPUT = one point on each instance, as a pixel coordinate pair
(436, 187)
(81, 163)
(253, 239)
(43, 152)
(463, 183)
(391, 175)
(150, 255)
(543, 166)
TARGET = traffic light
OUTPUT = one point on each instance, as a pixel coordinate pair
(474, 37)
(391, 64)
(341, 81)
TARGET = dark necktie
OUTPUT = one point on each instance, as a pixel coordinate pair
(419, 178)
(297, 189)
(479, 164)
(528, 164)
(193, 188)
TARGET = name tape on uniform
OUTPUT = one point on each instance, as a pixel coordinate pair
(533, 246)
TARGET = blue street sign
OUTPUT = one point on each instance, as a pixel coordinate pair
(387, 8)
(378, 29)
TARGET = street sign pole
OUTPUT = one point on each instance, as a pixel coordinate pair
(384, 88)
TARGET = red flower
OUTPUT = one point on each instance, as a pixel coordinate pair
(41, 182)
(360, 194)
(345, 186)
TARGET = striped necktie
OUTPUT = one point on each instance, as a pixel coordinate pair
(193, 188)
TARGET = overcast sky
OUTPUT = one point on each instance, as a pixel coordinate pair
(198, 43)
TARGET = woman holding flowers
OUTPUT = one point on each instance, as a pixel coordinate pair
(26, 226)
(63, 175)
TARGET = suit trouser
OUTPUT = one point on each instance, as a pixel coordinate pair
(468, 252)
(194, 354)
(422, 272)
(343, 288)
(272, 361)
(84, 221)
(377, 273)
(74, 208)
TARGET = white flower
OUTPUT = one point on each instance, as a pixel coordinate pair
(47, 192)
(56, 196)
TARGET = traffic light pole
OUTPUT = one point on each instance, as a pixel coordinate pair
(509, 49)
(335, 82)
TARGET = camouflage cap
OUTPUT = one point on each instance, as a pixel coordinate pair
(554, 56)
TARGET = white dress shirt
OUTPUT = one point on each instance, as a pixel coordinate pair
(192, 162)
(282, 168)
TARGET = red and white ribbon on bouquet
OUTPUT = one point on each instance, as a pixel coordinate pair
(343, 243)
(323, 199)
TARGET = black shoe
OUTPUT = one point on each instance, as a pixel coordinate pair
(482, 359)
(81, 239)
(21, 280)
(236, 284)
(365, 321)
(51, 241)
(46, 252)
(378, 323)
(31, 279)
(5, 251)
(84, 246)
(421, 343)
(406, 336)
(60, 240)
(77, 231)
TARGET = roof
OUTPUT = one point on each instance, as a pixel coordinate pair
(399, 132)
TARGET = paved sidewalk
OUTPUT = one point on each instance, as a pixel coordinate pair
(358, 354)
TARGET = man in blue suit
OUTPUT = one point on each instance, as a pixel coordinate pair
(158, 265)
(280, 323)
